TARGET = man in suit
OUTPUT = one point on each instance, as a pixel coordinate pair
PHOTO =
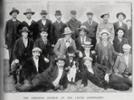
(31, 68)
(58, 27)
(11, 32)
(120, 24)
(46, 24)
(74, 24)
(30, 23)
(91, 27)
(63, 43)
(105, 24)
(22, 51)
(121, 78)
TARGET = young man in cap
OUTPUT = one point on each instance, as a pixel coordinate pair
(30, 23)
(44, 45)
(22, 50)
(74, 24)
(46, 24)
(121, 78)
(105, 24)
(63, 43)
(11, 32)
(91, 26)
(129, 31)
(58, 27)
(120, 24)
(31, 69)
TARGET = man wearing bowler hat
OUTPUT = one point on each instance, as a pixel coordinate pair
(105, 24)
(120, 24)
(11, 32)
(30, 23)
(45, 23)
(91, 26)
(57, 27)
(74, 23)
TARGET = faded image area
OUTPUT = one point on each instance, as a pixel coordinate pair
(67, 46)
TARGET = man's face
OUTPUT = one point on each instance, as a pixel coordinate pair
(28, 16)
(90, 17)
(104, 36)
(14, 14)
(105, 18)
(44, 34)
(82, 33)
(58, 17)
(44, 16)
(68, 36)
(25, 34)
(120, 17)
(60, 63)
(87, 62)
(129, 23)
(73, 16)
(120, 33)
(126, 51)
(36, 54)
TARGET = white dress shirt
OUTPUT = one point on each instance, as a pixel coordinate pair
(44, 22)
(36, 61)
(29, 21)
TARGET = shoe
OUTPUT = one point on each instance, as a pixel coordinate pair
(24, 87)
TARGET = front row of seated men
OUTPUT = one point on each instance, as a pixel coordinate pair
(70, 61)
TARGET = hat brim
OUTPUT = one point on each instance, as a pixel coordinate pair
(67, 33)
(120, 14)
(79, 29)
(17, 11)
(104, 33)
(43, 13)
(104, 15)
(29, 13)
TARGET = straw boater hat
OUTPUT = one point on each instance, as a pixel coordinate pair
(87, 58)
(87, 44)
(104, 15)
(36, 49)
(24, 29)
(126, 46)
(43, 12)
(83, 27)
(29, 11)
(67, 31)
(121, 13)
(43, 30)
(58, 13)
(14, 10)
(104, 31)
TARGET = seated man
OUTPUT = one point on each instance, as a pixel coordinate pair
(21, 52)
(32, 67)
(53, 78)
(121, 79)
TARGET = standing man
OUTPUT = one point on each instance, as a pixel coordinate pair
(57, 27)
(129, 31)
(91, 27)
(11, 32)
(74, 24)
(44, 23)
(30, 23)
(120, 24)
(105, 25)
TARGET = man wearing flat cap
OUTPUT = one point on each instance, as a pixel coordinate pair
(120, 23)
(91, 26)
(74, 23)
(58, 27)
(30, 23)
(11, 32)
(105, 24)
(44, 23)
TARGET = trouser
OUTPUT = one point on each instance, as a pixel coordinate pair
(119, 83)
(10, 50)
(93, 42)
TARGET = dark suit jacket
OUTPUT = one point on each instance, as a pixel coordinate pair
(29, 69)
(92, 29)
(118, 45)
(47, 26)
(32, 28)
(11, 32)
(20, 52)
(129, 35)
(57, 30)
(116, 26)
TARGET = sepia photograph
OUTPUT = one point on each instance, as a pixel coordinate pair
(67, 46)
